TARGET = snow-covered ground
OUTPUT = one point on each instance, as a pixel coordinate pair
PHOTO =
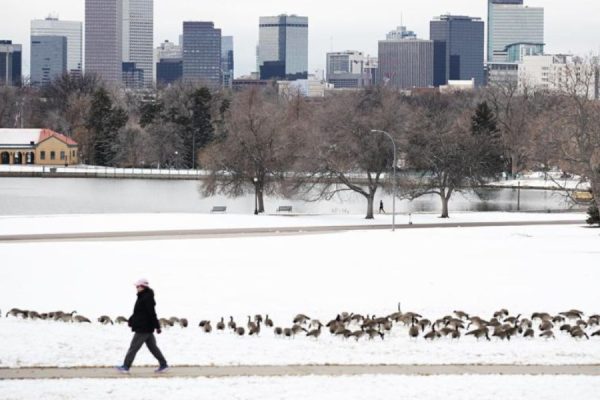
(38, 224)
(379, 387)
(431, 271)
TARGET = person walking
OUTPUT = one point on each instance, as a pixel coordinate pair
(143, 323)
(381, 210)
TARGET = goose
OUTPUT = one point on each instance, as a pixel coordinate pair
(302, 319)
(343, 332)
(15, 312)
(174, 320)
(432, 335)
(572, 314)
(43, 316)
(479, 333)
(512, 320)
(81, 319)
(121, 320)
(278, 331)
(461, 315)
(594, 320)
(578, 333)
(526, 323)
(287, 332)
(501, 334)
(597, 333)
(445, 331)
(164, 323)
(541, 315)
(480, 323)
(203, 323)
(183, 322)
(255, 331)
(358, 334)
(105, 320)
(529, 333)
(207, 328)
(268, 321)
(374, 332)
(501, 313)
(546, 326)
(315, 332)
(251, 325)
(455, 334)
(258, 318)
(413, 331)
(297, 328)
(231, 324)
(582, 324)
(565, 328)
(547, 335)
(221, 325)
(240, 331)
(424, 323)
(33, 315)
(559, 319)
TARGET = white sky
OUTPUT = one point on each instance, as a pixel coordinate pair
(571, 26)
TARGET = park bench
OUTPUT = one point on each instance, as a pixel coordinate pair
(284, 209)
(219, 209)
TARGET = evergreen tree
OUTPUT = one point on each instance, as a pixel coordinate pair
(594, 215)
(104, 122)
(200, 127)
(484, 126)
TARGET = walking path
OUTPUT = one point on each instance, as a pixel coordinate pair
(297, 370)
(266, 231)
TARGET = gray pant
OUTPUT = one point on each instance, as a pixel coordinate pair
(136, 343)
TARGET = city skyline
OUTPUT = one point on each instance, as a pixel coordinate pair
(328, 30)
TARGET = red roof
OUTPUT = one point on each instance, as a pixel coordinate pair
(47, 133)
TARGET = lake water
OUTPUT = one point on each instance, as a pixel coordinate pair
(38, 196)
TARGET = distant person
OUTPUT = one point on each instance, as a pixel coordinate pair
(144, 322)
(381, 210)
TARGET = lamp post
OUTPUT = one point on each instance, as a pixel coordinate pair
(255, 196)
(394, 176)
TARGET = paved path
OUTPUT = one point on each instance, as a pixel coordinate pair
(266, 231)
(297, 370)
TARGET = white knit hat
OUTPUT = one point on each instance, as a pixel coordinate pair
(142, 282)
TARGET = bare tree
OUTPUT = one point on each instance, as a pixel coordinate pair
(342, 153)
(253, 152)
(451, 147)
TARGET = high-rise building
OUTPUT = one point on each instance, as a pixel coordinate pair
(283, 47)
(72, 30)
(510, 22)
(11, 59)
(401, 33)
(349, 69)
(138, 36)
(458, 49)
(169, 66)
(104, 39)
(227, 64)
(202, 53)
(48, 58)
(406, 63)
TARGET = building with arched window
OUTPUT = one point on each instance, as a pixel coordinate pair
(37, 147)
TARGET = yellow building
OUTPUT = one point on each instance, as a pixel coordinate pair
(37, 147)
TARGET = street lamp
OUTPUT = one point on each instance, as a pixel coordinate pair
(255, 196)
(394, 178)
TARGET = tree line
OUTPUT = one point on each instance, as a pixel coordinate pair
(259, 141)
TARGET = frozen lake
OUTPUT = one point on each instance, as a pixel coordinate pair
(39, 196)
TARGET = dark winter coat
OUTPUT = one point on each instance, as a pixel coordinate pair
(144, 319)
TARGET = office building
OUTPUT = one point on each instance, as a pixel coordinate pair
(401, 33)
(72, 30)
(168, 71)
(510, 22)
(202, 53)
(11, 59)
(168, 49)
(132, 76)
(458, 49)
(227, 64)
(283, 47)
(48, 59)
(138, 37)
(350, 69)
(104, 39)
(406, 63)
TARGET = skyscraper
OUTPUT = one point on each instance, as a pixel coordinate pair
(72, 30)
(48, 58)
(510, 22)
(104, 39)
(138, 36)
(169, 66)
(406, 63)
(202, 53)
(283, 47)
(11, 59)
(458, 49)
(227, 64)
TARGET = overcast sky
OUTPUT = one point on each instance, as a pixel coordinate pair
(570, 26)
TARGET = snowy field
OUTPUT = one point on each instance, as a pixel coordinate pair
(38, 224)
(431, 271)
(379, 387)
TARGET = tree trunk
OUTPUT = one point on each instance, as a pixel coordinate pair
(445, 201)
(595, 186)
(370, 203)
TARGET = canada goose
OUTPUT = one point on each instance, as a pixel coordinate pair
(455, 334)
(559, 319)
(572, 314)
(546, 326)
(207, 328)
(240, 331)
(174, 320)
(578, 333)
(597, 333)
(258, 318)
(565, 328)
(81, 319)
(478, 322)
(358, 334)
(251, 325)
(479, 333)
(526, 323)
(64, 318)
(43, 316)
(594, 320)
(501, 313)
(231, 324)
(413, 331)
(221, 325)
(424, 323)
(121, 320)
(542, 316)
(256, 329)
(302, 319)
(105, 320)
(203, 323)
(461, 314)
(287, 332)
(501, 334)
(433, 334)
(315, 332)
(33, 315)
(15, 312)
(529, 333)
(163, 323)
(278, 331)
(547, 335)
(297, 328)
(343, 332)
(582, 324)
(183, 322)
(374, 332)
(512, 320)
(268, 321)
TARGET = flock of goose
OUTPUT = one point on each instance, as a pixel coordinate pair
(502, 325)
